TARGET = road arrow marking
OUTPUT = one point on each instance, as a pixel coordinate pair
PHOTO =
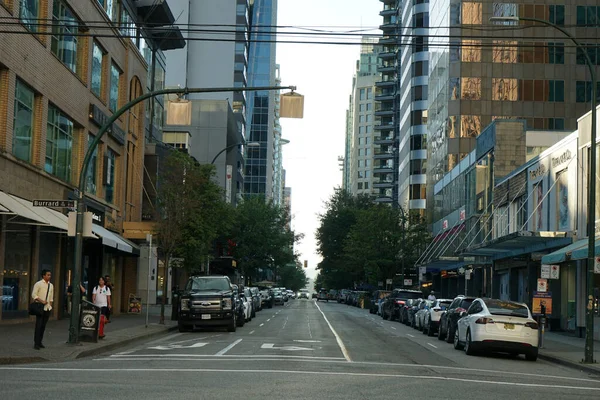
(286, 348)
(178, 346)
(308, 341)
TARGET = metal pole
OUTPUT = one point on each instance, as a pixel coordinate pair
(591, 206)
(225, 149)
(149, 236)
(76, 298)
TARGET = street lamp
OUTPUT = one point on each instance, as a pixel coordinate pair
(591, 206)
(250, 144)
(80, 192)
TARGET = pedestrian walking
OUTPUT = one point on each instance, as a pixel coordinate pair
(431, 296)
(110, 286)
(101, 298)
(43, 292)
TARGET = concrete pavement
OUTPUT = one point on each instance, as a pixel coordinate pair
(303, 350)
(16, 344)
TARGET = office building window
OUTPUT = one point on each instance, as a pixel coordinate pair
(360, 152)
(369, 129)
(557, 14)
(369, 106)
(361, 119)
(557, 91)
(471, 51)
(556, 53)
(362, 94)
(420, 68)
(367, 163)
(92, 170)
(360, 175)
(593, 51)
(588, 16)
(419, 93)
(417, 192)
(361, 130)
(128, 28)
(360, 185)
(29, 14)
(470, 88)
(504, 51)
(369, 93)
(583, 91)
(418, 142)
(557, 124)
(369, 118)
(418, 117)
(97, 62)
(115, 75)
(23, 121)
(367, 151)
(360, 141)
(505, 89)
(420, 20)
(59, 144)
(361, 108)
(109, 178)
(366, 185)
(420, 44)
(470, 126)
(111, 7)
(64, 28)
(471, 13)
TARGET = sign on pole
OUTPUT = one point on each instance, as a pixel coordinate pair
(542, 299)
(54, 203)
(554, 271)
(408, 282)
(545, 274)
(542, 285)
(388, 281)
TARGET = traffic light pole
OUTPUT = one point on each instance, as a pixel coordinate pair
(76, 298)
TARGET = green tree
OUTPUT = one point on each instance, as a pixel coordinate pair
(292, 276)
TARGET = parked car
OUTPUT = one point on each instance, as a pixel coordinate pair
(421, 312)
(291, 294)
(250, 297)
(332, 295)
(207, 301)
(451, 316)
(278, 297)
(497, 325)
(256, 301)
(342, 294)
(431, 322)
(412, 312)
(376, 300)
(239, 306)
(303, 294)
(247, 306)
(398, 297)
(403, 310)
(323, 296)
(314, 295)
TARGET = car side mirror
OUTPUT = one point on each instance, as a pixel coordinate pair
(463, 314)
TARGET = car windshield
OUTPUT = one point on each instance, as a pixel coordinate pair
(208, 284)
(444, 304)
(509, 308)
(408, 295)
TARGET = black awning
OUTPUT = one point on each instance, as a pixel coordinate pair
(518, 243)
(155, 12)
(164, 39)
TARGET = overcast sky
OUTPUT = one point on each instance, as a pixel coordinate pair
(323, 74)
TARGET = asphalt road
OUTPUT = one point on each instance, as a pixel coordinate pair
(303, 350)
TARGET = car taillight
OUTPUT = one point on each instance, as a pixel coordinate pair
(484, 320)
(532, 325)
(400, 302)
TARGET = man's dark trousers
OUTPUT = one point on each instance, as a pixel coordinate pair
(40, 327)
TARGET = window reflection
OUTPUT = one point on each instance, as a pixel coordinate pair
(471, 13)
(470, 125)
(506, 10)
(505, 89)
(454, 88)
(504, 51)
(470, 88)
(471, 51)
(452, 126)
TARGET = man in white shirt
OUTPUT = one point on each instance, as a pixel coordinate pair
(43, 292)
(431, 296)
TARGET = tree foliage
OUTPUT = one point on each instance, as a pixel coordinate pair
(292, 276)
(362, 242)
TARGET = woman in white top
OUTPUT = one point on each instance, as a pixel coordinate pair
(101, 298)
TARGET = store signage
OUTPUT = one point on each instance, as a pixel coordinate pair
(54, 203)
(538, 172)
(445, 224)
(98, 117)
(542, 299)
(462, 215)
(542, 285)
(97, 216)
(545, 274)
(564, 157)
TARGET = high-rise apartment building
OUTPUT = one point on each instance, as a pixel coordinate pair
(480, 72)
(278, 143)
(260, 111)
(361, 148)
(413, 77)
(387, 98)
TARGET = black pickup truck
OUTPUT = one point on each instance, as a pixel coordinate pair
(207, 301)
(393, 303)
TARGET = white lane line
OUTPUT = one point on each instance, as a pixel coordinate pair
(251, 332)
(226, 349)
(261, 324)
(338, 339)
(230, 357)
(307, 341)
(268, 319)
(393, 328)
(292, 372)
(284, 323)
(435, 347)
(408, 334)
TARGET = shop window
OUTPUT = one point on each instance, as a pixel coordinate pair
(23, 121)
(59, 144)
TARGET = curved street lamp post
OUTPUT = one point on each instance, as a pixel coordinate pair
(76, 299)
(591, 206)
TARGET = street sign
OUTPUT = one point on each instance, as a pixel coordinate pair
(422, 270)
(408, 282)
(468, 274)
(54, 203)
(554, 271)
(542, 285)
(389, 281)
(542, 299)
(545, 274)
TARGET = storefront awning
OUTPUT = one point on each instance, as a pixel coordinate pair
(518, 243)
(23, 212)
(566, 253)
(114, 240)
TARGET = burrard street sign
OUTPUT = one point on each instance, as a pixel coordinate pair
(54, 203)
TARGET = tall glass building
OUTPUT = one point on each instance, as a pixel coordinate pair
(260, 110)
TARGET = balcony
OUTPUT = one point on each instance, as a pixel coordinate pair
(385, 169)
(383, 185)
(388, 83)
(387, 68)
(384, 127)
(388, 11)
(388, 40)
(383, 199)
(384, 140)
(384, 112)
(388, 95)
(388, 54)
(383, 155)
(390, 26)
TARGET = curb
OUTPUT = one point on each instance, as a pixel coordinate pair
(125, 342)
(569, 364)
(21, 360)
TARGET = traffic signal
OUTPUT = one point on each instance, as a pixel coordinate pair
(305, 263)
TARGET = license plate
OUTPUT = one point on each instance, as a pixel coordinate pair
(509, 326)
(205, 316)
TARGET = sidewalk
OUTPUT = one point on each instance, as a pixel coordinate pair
(16, 341)
(568, 350)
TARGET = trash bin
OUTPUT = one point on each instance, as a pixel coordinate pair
(89, 320)
(175, 304)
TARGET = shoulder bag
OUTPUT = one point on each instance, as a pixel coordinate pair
(36, 308)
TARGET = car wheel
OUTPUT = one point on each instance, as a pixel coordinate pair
(241, 322)
(456, 342)
(392, 316)
(469, 345)
(384, 315)
(532, 355)
(449, 334)
(184, 328)
(441, 333)
(253, 313)
(232, 325)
